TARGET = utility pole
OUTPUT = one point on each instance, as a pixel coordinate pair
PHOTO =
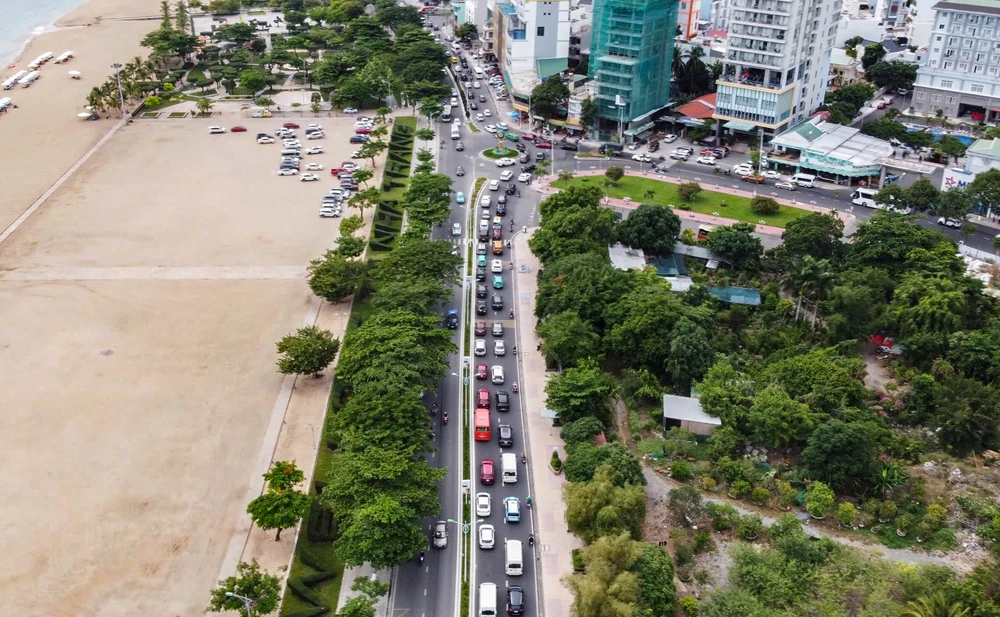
(118, 78)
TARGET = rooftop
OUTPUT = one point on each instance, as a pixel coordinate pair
(688, 409)
(834, 141)
(985, 147)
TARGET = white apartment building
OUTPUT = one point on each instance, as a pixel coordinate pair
(532, 43)
(960, 72)
(777, 61)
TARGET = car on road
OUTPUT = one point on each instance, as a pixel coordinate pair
(499, 349)
(524, 177)
(497, 329)
(772, 175)
(314, 167)
(308, 177)
(216, 130)
(479, 348)
(706, 160)
(460, 197)
(487, 537)
(753, 178)
(350, 110)
(496, 374)
(451, 319)
(440, 534)
(788, 186)
(238, 129)
(481, 371)
(511, 510)
(497, 281)
(506, 175)
(287, 171)
(456, 229)
(494, 185)
(505, 434)
(487, 473)
(950, 222)
(290, 125)
(642, 158)
(484, 504)
(671, 138)
(515, 601)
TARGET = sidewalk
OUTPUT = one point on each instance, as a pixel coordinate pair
(554, 542)
(546, 188)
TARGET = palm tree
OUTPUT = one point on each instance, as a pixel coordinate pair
(934, 606)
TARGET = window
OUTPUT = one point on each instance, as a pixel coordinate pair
(541, 31)
(976, 88)
(946, 83)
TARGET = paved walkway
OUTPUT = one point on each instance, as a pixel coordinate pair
(553, 541)
(545, 187)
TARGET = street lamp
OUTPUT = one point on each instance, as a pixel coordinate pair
(246, 601)
(121, 96)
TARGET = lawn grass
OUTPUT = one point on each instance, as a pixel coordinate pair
(665, 193)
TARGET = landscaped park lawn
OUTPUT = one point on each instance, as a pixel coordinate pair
(665, 193)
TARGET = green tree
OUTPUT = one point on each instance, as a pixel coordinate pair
(614, 174)
(547, 96)
(307, 352)
(688, 191)
(652, 228)
(892, 75)
(737, 244)
(873, 53)
(656, 582)
(815, 234)
(588, 113)
(567, 339)
(842, 454)
(333, 277)
(428, 198)
(584, 390)
(599, 508)
(262, 589)
(778, 421)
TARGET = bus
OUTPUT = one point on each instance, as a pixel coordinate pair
(864, 197)
(482, 425)
(446, 114)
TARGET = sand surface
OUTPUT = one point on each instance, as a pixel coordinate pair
(141, 305)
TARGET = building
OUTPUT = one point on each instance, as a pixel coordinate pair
(960, 73)
(631, 55)
(688, 16)
(531, 44)
(776, 65)
(686, 413)
(830, 151)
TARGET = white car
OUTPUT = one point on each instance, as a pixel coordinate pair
(772, 175)
(498, 348)
(456, 229)
(507, 175)
(216, 129)
(487, 113)
(484, 504)
(487, 537)
(350, 110)
(494, 185)
(287, 172)
(314, 167)
(479, 348)
(950, 222)
(706, 160)
(308, 177)
(319, 135)
(479, 118)
(642, 158)
(315, 150)
(265, 140)
(524, 177)
(671, 138)
(490, 128)
(496, 265)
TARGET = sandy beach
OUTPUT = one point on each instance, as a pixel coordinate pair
(43, 137)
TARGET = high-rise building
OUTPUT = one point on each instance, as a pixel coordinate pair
(688, 14)
(960, 72)
(532, 43)
(631, 54)
(776, 65)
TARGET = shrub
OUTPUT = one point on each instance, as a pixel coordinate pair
(683, 554)
(681, 471)
(750, 526)
(760, 495)
(764, 205)
(819, 499)
(846, 513)
(741, 488)
(688, 191)
(708, 483)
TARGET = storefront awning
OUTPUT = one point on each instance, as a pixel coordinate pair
(736, 125)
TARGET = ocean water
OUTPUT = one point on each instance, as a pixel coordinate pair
(22, 19)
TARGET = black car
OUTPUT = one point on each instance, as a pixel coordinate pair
(359, 139)
(511, 189)
(472, 105)
(480, 291)
(481, 308)
(480, 274)
(515, 600)
(506, 436)
(501, 209)
(451, 321)
(503, 400)
(497, 302)
(529, 168)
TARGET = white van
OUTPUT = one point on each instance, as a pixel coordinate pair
(515, 558)
(508, 467)
(805, 180)
(487, 600)
(478, 72)
(454, 131)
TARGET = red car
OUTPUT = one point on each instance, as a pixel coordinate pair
(480, 371)
(543, 144)
(480, 328)
(290, 125)
(483, 398)
(530, 136)
(486, 473)
(238, 129)
(363, 130)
